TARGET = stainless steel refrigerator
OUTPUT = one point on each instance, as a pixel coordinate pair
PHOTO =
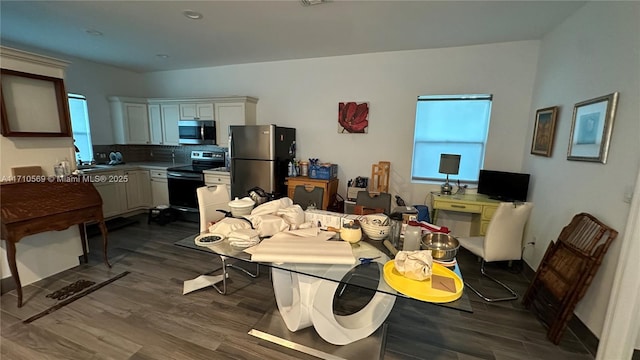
(260, 155)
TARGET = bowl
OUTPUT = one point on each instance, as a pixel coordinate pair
(372, 226)
(444, 247)
(241, 207)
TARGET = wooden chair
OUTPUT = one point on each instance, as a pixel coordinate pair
(566, 271)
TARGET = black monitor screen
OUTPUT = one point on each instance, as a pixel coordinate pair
(503, 186)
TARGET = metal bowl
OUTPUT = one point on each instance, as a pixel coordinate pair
(444, 247)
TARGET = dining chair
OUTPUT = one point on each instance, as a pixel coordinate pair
(308, 196)
(374, 201)
(502, 242)
(210, 200)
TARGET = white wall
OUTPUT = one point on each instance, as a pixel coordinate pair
(593, 53)
(305, 93)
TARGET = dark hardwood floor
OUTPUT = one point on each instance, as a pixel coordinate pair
(144, 315)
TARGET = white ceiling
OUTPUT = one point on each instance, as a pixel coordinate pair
(238, 32)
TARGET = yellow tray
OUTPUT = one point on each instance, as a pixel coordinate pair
(422, 290)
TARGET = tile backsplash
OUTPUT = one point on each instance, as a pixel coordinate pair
(152, 153)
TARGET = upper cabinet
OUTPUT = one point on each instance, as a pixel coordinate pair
(130, 120)
(196, 111)
(163, 124)
(156, 121)
(233, 112)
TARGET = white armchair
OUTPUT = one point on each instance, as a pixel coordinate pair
(503, 241)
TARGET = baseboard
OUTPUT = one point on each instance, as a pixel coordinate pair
(7, 284)
(581, 330)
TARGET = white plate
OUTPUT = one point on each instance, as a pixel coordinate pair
(113, 157)
(119, 156)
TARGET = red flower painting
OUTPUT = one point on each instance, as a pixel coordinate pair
(353, 117)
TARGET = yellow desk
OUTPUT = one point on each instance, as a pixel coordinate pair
(480, 206)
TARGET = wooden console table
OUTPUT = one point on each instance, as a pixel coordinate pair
(29, 208)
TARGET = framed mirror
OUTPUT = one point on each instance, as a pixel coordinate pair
(33, 105)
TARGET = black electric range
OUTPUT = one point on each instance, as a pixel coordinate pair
(184, 180)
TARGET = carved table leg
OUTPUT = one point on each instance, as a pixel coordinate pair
(103, 230)
(83, 239)
(11, 258)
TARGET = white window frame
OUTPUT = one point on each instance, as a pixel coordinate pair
(85, 118)
(434, 159)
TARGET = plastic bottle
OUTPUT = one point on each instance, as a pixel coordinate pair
(412, 238)
(290, 170)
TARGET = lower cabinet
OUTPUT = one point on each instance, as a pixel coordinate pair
(138, 186)
(217, 179)
(113, 193)
(159, 187)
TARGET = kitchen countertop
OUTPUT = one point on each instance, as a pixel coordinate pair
(217, 172)
(151, 165)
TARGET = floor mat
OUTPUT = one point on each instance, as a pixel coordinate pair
(73, 298)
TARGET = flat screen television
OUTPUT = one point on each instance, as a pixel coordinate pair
(503, 186)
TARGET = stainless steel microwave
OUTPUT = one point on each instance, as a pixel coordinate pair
(199, 132)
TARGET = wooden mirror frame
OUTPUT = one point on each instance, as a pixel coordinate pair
(64, 119)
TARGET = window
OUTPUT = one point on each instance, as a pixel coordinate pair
(80, 127)
(450, 124)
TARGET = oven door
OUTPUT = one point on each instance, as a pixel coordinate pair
(182, 189)
(201, 132)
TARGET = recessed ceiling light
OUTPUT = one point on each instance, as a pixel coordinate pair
(193, 15)
(163, 56)
(93, 32)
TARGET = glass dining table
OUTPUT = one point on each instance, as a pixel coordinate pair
(333, 311)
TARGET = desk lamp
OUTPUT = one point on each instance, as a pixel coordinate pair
(449, 164)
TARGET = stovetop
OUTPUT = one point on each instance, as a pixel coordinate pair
(202, 160)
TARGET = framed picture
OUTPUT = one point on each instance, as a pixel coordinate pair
(543, 131)
(353, 117)
(33, 105)
(591, 129)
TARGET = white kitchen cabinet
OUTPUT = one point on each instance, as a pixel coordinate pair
(233, 113)
(138, 187)
(218, 178)
(163, 124)
(196, 111)
(170, 120)
(155, 124)
(159, 187)
(113, 192)
(130, 121)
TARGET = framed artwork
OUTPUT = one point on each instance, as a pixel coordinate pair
(591, 129)
(353, 117)
(543, 131)
(33, 105)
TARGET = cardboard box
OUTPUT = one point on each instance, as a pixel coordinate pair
(323, 218)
